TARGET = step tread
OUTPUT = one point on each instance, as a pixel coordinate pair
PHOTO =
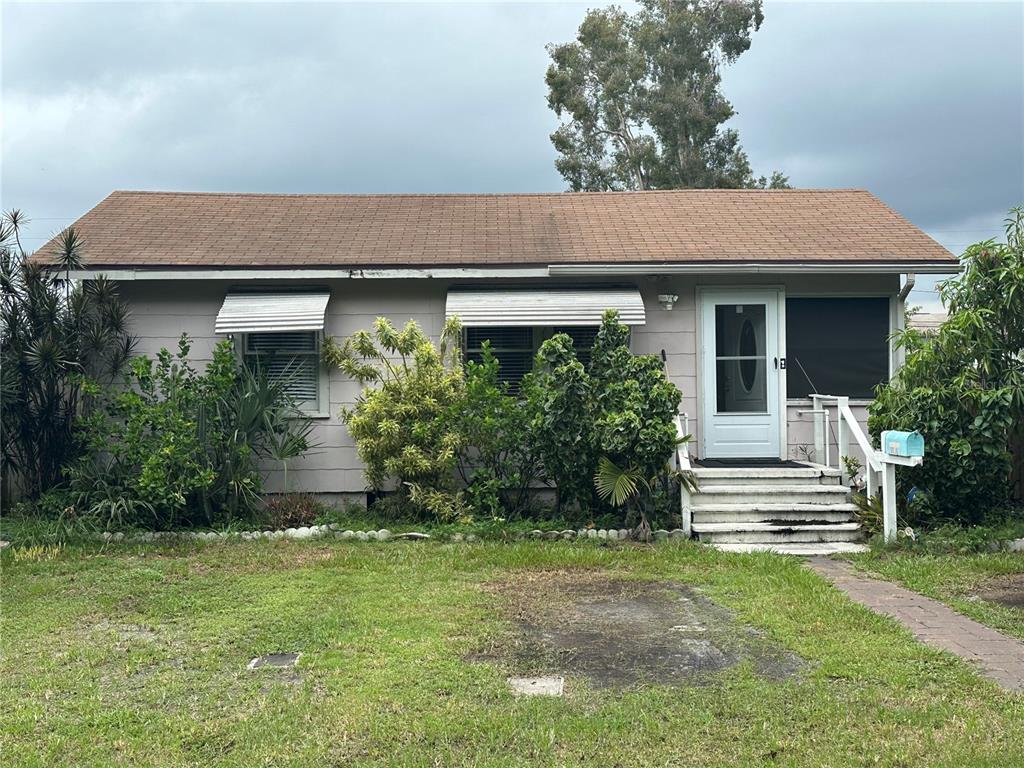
(773, 517)
(772, 506)
(741, 526)
(803, 550)
(808, 488)
(765, 472)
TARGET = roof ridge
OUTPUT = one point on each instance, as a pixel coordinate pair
(455, 195)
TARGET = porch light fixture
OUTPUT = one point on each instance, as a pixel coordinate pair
(667, 300)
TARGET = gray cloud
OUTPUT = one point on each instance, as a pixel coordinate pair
(922, 103)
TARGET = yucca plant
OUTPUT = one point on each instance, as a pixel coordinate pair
(60, 342)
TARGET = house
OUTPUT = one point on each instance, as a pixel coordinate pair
(927, 322)
(755, 299)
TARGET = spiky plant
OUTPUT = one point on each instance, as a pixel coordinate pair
(60, 341)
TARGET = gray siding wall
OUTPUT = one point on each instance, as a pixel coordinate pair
(163, 310)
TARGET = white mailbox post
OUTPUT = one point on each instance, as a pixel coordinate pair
(889, 464)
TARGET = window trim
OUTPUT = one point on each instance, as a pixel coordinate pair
(322, 408)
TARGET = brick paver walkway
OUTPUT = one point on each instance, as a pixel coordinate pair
(1001, 658)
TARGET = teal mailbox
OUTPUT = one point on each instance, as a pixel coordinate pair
(896, 443)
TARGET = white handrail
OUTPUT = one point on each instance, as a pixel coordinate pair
(875, 462)
(681, 459)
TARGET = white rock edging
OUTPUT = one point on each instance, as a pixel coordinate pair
(332, 531)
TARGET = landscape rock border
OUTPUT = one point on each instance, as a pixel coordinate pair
(334, 531)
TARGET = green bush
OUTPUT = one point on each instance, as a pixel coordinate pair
(424, 418)
(402, 423)
(612, 424)
(963, 388)
(499, 461)
(563, 412)
(173, 447)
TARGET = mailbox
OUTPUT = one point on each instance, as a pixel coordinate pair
(896, 443)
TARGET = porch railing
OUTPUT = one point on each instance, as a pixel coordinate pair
(879, 467)
(681, 461)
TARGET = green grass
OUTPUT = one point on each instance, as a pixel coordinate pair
(953, 579)
(136, 656)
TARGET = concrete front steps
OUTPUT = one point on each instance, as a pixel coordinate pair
(802, 510)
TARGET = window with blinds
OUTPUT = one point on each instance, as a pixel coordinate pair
(291, 357)
(516, 346)
(513, 347)
(582, 339)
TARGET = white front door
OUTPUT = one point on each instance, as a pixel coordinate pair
(741, 364)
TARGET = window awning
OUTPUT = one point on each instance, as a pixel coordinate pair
(252, 312)
(548, 307)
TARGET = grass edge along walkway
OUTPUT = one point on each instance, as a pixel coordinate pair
(1000, 658)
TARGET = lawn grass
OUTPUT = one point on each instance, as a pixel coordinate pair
(953, 579)
(136, 656)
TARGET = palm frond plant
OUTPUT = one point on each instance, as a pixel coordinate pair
(627, 487)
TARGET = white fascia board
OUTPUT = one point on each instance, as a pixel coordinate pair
(567, 270)
(610, 270)
(310, 274)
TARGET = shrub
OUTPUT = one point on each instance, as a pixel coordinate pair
(292, 510)
(963, 387)
(174, 447)
(635, 429)
(499, 461)
(616, 418)
(56, 338)
(401, 422)
(563, 412)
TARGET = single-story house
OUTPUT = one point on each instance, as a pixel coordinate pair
(755, 299)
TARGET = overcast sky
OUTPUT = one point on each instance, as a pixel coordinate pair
(921, 103)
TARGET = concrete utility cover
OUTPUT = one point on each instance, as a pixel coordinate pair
(620, 633)
(537, 686)
(278, 660)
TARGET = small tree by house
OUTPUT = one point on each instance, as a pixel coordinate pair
(963, 386)
(401, 421)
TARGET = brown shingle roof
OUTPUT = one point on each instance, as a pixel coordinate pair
(179, 229)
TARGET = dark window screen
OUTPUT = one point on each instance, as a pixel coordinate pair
(836, 346)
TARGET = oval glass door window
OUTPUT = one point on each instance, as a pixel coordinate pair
(748, 350)
(741, 380)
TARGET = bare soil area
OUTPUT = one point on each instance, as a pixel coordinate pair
(1005, 590)
(619, 633)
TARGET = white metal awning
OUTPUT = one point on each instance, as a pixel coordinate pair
(252, 312)
(548, 307)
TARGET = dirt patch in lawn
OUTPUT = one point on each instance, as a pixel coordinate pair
(1005, 590)
(618, 633)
